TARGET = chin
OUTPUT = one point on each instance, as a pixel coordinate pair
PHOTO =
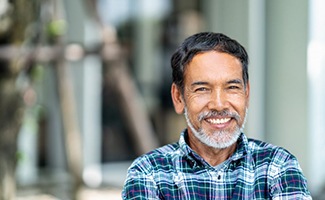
(218, 140)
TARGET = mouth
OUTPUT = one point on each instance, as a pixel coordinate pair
(218, 121)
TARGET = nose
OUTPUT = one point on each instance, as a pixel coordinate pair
(218, 100)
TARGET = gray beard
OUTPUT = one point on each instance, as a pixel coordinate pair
(218, 139)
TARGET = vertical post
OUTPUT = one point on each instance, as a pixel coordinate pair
(87, 76)
(316, 94)
(72, 136)
(286, 78)
(256, 48)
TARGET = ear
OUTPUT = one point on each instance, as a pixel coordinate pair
(247, 92)
(177, 98)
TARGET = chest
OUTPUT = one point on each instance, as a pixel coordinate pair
(211, 184)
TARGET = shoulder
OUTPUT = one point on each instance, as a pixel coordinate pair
(263, 152)
(156, 159)
(284, 173)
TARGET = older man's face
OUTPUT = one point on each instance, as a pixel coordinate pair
(215, 98)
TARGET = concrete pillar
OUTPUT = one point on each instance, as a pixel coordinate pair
(286, 79)
(255, 126)
(229, 17)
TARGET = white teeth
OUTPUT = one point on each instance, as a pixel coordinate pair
(218, 121)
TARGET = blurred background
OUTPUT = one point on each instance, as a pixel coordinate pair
(85, 86)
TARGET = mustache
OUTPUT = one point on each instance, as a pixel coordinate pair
(215, 113)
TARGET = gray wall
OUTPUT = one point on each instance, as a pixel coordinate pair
(286, 76)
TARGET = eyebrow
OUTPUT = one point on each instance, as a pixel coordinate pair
(236, 81)
(199, 83)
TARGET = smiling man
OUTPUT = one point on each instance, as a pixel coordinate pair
(213, 158)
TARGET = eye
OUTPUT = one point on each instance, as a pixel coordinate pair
(234, 87)
(201, 89)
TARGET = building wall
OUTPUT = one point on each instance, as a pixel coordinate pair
(286, 76)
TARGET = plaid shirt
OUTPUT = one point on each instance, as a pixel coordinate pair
(256, 170)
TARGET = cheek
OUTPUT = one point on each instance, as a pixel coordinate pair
(238, 102)
(240, 105)
(197, 103)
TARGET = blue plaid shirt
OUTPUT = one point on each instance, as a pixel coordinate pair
(256, 170)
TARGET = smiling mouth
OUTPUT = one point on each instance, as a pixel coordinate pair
(218, 121)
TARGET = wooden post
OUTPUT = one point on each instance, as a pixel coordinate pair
(72, 135)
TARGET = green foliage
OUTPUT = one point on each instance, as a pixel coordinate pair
(37, 72)
(56, 28)
(20, 156)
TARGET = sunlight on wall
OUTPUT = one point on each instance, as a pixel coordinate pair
(316, 72)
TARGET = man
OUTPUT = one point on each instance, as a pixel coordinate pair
(213, 158)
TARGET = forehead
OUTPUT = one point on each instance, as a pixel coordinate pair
(213, 65)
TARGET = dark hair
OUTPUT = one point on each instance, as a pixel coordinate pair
(203, 42)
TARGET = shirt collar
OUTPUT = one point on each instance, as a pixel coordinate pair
(242, 147)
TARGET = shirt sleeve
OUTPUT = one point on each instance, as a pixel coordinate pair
(289, 182)
(139, 185)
